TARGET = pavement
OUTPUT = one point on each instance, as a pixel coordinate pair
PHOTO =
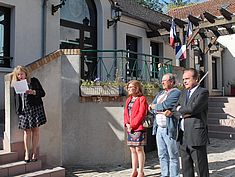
(221, 156)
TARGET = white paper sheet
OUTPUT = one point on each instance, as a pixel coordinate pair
(21, 86)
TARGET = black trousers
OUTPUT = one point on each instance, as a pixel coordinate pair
(191, 155)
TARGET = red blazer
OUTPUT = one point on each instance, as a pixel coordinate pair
(138, 113)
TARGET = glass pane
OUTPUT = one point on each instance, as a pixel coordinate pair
(87, 40)
(75, 11)
(69, 37)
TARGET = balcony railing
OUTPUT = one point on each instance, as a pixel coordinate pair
(108, 65)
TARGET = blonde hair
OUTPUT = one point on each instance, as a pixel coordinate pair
(16, 71)
(138, 86)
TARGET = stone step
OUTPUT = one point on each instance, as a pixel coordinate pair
(222, 135)
(8, 157)
(215, 110)
(215, 121)
(220, 128)
(217, 115)
(222, 99)
(20, 167)
(53, 172)
(217, 104)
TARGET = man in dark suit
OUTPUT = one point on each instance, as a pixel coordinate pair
(191, 109)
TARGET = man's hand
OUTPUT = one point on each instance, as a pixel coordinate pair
(152, 106)
(168, 113)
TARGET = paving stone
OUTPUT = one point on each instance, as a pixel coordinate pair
(221, 156)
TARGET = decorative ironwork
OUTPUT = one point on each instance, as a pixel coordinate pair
(117, 15)
(55, 8)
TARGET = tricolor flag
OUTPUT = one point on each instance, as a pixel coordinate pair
(180, 52)
(190, 29)
(173, 34)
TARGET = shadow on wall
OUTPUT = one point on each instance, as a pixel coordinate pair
(93, 133)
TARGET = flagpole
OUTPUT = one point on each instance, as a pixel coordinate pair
(203, 77)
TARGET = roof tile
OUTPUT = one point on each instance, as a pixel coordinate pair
(211, 6)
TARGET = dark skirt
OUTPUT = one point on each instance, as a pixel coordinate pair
(137, 138)
(32, 117)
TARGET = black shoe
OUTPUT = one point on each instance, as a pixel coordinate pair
(34, 160)
(27, 161)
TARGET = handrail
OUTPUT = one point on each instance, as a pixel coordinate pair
(138, 70)
(126, 51)
(130, 65)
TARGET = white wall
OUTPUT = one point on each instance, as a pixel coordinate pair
(228, 70)
(26, 35)
(2, 87)
(25, 30)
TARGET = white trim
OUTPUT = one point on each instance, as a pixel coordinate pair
(2, 69)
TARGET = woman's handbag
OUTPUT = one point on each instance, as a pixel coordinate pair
(148, 120)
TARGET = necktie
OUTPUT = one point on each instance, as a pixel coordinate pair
(186, 101)
(187, 96)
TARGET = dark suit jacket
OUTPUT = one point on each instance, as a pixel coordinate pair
(33, 99)
(195, 117)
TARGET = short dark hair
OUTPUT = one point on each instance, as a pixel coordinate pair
(194, 71)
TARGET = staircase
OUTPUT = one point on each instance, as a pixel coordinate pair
(12, 165)
(221, 117)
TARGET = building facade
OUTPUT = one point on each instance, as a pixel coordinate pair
(29, 32)
(216, 23)
(33, 29)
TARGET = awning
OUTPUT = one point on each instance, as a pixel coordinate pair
(228, 41)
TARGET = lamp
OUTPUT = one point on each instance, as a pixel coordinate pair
(117, 12)
(55, 8)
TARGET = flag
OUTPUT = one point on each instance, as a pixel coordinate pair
(180, 52)
(173, 34)
(190, 29)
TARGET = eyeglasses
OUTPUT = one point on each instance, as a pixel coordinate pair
(165, 80)
(129, 87)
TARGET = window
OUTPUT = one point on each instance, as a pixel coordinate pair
(154, 50)
(132, 64)
(5, 59)
(78, 30)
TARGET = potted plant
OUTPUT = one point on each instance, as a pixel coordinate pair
(151, 88)
(101, 88)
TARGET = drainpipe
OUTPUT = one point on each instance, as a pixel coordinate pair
(222, 68)
(115, 48)
(44, 17)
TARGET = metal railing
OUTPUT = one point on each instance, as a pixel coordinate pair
(109, 65)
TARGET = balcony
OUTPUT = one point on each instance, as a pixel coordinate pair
(109, 65)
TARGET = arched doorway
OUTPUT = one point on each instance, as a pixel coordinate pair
(78, 29)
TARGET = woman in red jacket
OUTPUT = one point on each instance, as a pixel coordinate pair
(134, 113)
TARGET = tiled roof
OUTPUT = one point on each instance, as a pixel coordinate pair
(211, 6)
(133, 9)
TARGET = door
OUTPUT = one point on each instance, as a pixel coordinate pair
(154, 50)
(132, 63)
